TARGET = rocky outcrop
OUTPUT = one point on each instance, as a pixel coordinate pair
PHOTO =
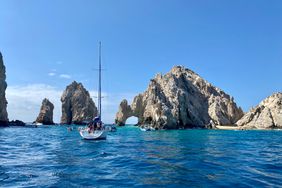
(17, 123)
(180, 99)
(77, 106)
(125, 111)
(3, 102)
(46, 113)
(267, 115)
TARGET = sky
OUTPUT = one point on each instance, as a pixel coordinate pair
(235, 45)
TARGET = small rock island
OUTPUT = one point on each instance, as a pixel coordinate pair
(46, 113)
(77, 105)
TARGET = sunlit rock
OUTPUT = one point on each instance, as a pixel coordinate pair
(77, 105)
(267, 115)
(46, 113)
(180, 99)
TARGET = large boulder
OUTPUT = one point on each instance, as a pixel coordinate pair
(77, 106)
(267, 115)
(181, 99)
(46, 113)
(3, 102)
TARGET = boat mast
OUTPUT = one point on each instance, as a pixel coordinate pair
(99, 90)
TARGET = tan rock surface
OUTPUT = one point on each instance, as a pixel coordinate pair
(77, 105)
(46, 113)
(180, 99)
(267, 115)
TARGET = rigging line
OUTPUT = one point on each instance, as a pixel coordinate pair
(99, 91)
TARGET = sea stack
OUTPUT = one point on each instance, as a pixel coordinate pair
(46, 113)
(77, 105)
(181, 99)
(267, 115)
(3, 102)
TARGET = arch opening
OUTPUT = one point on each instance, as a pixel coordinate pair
(133, 120)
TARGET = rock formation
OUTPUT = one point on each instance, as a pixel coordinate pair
(180, 99)
(46, 113)
(77, 106)
(17, 123)
(267, 115)
(3, 102)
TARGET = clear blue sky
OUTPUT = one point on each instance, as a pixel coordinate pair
(235, 45)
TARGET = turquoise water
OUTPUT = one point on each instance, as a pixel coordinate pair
(54, 157)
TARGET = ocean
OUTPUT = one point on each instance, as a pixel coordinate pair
(55, 157)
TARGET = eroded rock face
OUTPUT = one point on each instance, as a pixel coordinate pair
(77, 106)
(267, 115)
(46, 113)
(3, 102)
(180, 99)
(124, 112)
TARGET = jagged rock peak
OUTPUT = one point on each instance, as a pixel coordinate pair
(77, 105)
(267, 115)
(181, 98)
(46, 113)
(3, 102)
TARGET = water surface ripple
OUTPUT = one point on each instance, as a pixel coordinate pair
(54, 157)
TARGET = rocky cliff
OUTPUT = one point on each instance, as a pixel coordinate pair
(180, 99)
(46, 113)
(77, 106)
(267, 115)
(3, 102)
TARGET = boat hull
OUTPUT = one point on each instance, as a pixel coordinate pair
(96, 135)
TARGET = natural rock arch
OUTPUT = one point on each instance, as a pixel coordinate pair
(180, 98)
(125, 112)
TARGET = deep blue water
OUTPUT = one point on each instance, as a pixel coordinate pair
(54, 157)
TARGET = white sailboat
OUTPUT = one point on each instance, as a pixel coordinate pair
(87, 133)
